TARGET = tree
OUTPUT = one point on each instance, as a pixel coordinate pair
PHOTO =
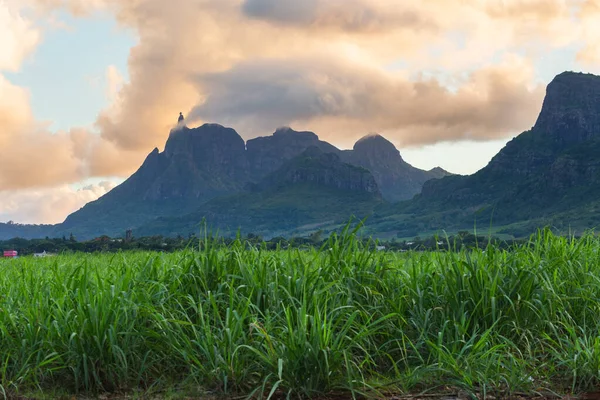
(316, 237)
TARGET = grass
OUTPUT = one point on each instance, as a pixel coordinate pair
(242, 321)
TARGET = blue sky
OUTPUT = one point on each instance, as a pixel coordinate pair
(66, 75)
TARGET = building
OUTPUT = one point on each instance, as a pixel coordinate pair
(11, 253)
(44, 254)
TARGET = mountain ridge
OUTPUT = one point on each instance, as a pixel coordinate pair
(213, 161)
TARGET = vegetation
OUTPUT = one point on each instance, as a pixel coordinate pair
(104, 244)
(244, 320)
(100, 244)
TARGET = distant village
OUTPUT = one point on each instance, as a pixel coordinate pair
(15, 254)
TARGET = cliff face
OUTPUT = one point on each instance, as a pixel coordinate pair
(196, 166)
(200, 164)
(570, 116)
(553, 166)
(314, 166)
(571, 110)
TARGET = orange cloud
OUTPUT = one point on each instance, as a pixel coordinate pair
(257, 64)
(32, 156)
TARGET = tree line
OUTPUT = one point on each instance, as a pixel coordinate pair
(169, 244)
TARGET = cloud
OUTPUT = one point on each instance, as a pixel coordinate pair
(285, 11)
(28, 157)
(588, 16)
(14, 109)
(324, 65)
(33, 156)
(17, 37)
(114, 83)
(353, 16)
(76, 7)
(343, 101)
(48, 205)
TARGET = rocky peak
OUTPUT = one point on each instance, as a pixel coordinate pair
(288, 132)
(266, 154)
(197, 163)
(375, 145)
(205, 138)
(438, 172)
(540, 166)
(397, 179)
(571, 110)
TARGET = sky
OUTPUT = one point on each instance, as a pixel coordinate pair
(89, 87)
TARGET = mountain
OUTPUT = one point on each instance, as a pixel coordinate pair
(549, 170)
(11, 230)
(397, 179)
(196, 166)
(212, 161)
(266, 154)
(312, 189)
(314, 166)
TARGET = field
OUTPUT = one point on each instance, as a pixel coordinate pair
(341, 321)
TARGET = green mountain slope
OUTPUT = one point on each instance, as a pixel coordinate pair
(313, 189)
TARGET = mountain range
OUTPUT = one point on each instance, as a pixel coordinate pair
(203, 169)
(292, 183)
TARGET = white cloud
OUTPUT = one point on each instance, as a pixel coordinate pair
(48, 205)
(18, 37)
(114, 83)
